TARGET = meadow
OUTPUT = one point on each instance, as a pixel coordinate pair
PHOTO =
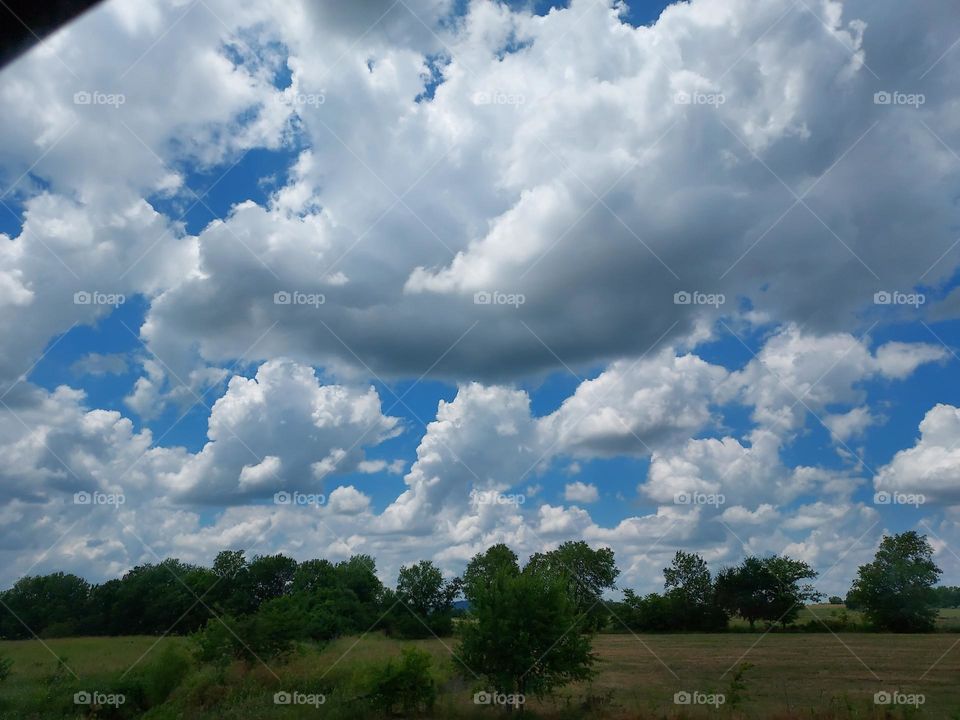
(784, 675)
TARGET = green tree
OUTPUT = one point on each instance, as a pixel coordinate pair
(790, 593)
(484, 566)
(585, 572)
(768, 589)
(271, 576)
(896, 589)
(425, 604)
(314, 576)
(233, 593)
(691, 595)
(650, 613)
(947, 596)
(153, 599)
(524, 635)
(52, 604)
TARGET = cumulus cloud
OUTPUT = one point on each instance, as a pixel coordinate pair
(726, 168)
(467, 196)
(581, 492)
(931, 467)
(798, 372)
(281, 429)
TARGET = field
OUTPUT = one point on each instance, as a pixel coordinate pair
(792, 675)
(948, 620)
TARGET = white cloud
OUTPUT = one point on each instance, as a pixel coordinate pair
(347, 500)
(848, 425)
(459, 196)
(932, 466)
(797, 372)
(581, 492)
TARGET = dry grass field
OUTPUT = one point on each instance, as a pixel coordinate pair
(792, 675)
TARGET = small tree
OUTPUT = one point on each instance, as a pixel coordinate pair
(896, 589)
(586, 573)
(691, 595)
(524, 636)
(766, 589)
(790, 592)
(425, 601)
(483, 568)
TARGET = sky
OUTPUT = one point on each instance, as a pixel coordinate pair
(413, 278)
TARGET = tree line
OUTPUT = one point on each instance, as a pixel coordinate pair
(270, 601)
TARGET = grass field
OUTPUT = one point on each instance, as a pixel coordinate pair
(793, 675)
(948, 620)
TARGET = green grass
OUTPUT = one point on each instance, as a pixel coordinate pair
(948, 620)
(794, 675)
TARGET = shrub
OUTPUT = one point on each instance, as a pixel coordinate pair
(5, 665)
(406, 686)
(162, 676)
(265, 635)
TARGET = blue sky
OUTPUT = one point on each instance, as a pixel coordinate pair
(592, 161)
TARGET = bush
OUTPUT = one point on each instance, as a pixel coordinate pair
(262, 636)
(5, 665)
(406, 686)
(164, 675)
